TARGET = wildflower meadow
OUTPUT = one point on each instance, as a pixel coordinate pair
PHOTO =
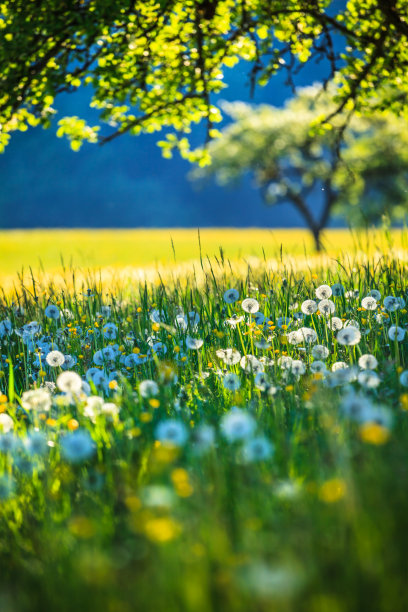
(236, 442)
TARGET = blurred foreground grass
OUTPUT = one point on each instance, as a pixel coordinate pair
(45, 250)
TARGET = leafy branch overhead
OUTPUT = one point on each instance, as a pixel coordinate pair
(157, 65)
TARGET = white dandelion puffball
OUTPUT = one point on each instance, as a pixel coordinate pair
(257, 449)
(251, 364)
(231, 296)
(375, 294)
(171, 433)
(148, 388)
(368, 379)
(335, 324)
(318, 367)
(78, 446)
(37, 399)
(237, 425)
(392, 303)
(69, 382)
(369, 303)
(396, 333)
(194, 344)
(326, 307)
(52, 312)
(55, 359)
(349, 336)
(323, 292)
(231, 356)
(320, 352)
(261, 381)
(297, 367)
(231, 382)
(337, 290)
(6, 423)
(404, 378)
(367, 362)
(309, 307)
(250, 305)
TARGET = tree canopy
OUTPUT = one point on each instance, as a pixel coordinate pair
(363, 177)
(157, 64)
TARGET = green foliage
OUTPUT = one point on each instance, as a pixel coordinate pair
(156, 65)
(361, 165)
(313, 518)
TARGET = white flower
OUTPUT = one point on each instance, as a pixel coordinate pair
(257, 449)
(37, 399)
(69, 362)
(180, 322)
(110, 410)
(285, 362)
(318, 367)
(171, 433)
(323, 292)
(77, 446)
(326, 307)
(297, 367)
(396, 333)
(157, 316)
(261, 381)
(192, 319)
(110, 331)
(194, 343)
(237, 425)
(5, 328)
(250, 305)
(234, 321)
(367, 362)
(6, 423)
(93, 407)
(55, 359)
(320, 352)
(352, 323)
(231, 296)
(203, 438)
(337, 289)
(262, 344)
(368, 379)
(148, 388)
(349, 336)
(35, 444)
(69, 382)
(231, 356)
(259, 318)
(307, 335)
(52, 312)
(392, 303)
(404, 378)
(231, 382)
(335, 323)
(355, 405)
(339, 365)
(251, 364)
(375, 294)
(369, 303)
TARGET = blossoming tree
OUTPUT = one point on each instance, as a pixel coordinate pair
(359, 170)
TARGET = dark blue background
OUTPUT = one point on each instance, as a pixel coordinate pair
(127, 183)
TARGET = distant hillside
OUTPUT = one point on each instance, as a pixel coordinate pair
(126, 183)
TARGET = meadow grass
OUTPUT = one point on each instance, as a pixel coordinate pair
(231, 438)
(44, 250)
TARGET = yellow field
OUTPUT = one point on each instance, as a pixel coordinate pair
(135, 249)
